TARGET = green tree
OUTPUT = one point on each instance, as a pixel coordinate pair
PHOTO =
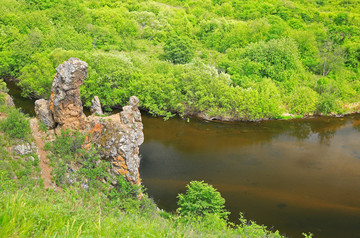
(332, 57)
(201, 199)
(178, 50)
(303, 100)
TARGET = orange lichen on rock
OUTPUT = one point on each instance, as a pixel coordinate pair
(121, 164)
(97, 128)
(116, 138)
(52, 98)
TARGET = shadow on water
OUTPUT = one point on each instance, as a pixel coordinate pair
(296, 176)
(26, 105)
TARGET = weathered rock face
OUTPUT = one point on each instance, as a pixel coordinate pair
(96, 106)
(118, 137)
(43, 113)
(65, 103)
(24, 149)
(9, 101)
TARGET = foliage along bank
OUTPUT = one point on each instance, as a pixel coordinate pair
(222, 58)
(97, 209)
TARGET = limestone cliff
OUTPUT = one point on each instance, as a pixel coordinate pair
(118, 137)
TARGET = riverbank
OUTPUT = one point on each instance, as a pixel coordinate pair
(27, 105)
(82, 187)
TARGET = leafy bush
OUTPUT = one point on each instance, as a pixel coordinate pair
(178, 50)
(68, 145)
(16, 125)
(3, 90)
(201, 199)
(275, 59)
(303, 100)
(125, 42)
(253, 230)
(3, 87)
(328, 103)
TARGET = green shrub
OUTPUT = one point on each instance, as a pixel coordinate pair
(16, 125)
(68, 145)
(3, 87)
(200, 200)
(178, 50)
(2, 98)
(303, 100)
(3, 90)
(252, 230)
(328, 103)
(277, 59)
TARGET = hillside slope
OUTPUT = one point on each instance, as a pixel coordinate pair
(225, 59)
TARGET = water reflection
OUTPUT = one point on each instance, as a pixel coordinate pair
(298, 175)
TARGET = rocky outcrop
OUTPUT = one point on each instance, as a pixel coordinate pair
(65, 103)
(44, 114)
(24, 149)
(118, 137)
(9, 101)
(96, 106)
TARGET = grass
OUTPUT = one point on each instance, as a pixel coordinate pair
(39, 213)
(28, 210)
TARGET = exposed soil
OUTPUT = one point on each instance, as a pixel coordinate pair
(45, 169)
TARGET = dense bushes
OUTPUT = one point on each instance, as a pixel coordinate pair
(178, 50)
(129, 46)
(16, 125)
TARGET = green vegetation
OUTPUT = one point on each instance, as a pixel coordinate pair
(178, 50)
(201, 199)
(232, 58)
(16, 125)
(93, 203)
(3, 90)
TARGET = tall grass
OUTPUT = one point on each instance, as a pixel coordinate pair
(40, 213)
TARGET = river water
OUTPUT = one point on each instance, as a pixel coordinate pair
(295, 176)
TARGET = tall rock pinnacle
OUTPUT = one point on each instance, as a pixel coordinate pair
(65, 102)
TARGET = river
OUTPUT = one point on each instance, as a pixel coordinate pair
(295, 176)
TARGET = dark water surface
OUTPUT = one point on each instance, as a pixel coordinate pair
(296, 176)
(26, 104)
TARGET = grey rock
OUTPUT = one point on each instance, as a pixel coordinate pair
(134, 101)
(9, 101)
(121, 146)
(118, 137)
(23, 149)
(65, 102)
(96, 106)
(44, 114)
(32, 158)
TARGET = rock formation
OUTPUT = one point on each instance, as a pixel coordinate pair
(9, 101)
(25, 149)
(44, 114)
(65, 103)
(118, 137)
(96, 106)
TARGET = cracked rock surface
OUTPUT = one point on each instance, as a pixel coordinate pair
(118, 137)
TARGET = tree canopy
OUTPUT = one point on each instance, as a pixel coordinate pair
(231, 58)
